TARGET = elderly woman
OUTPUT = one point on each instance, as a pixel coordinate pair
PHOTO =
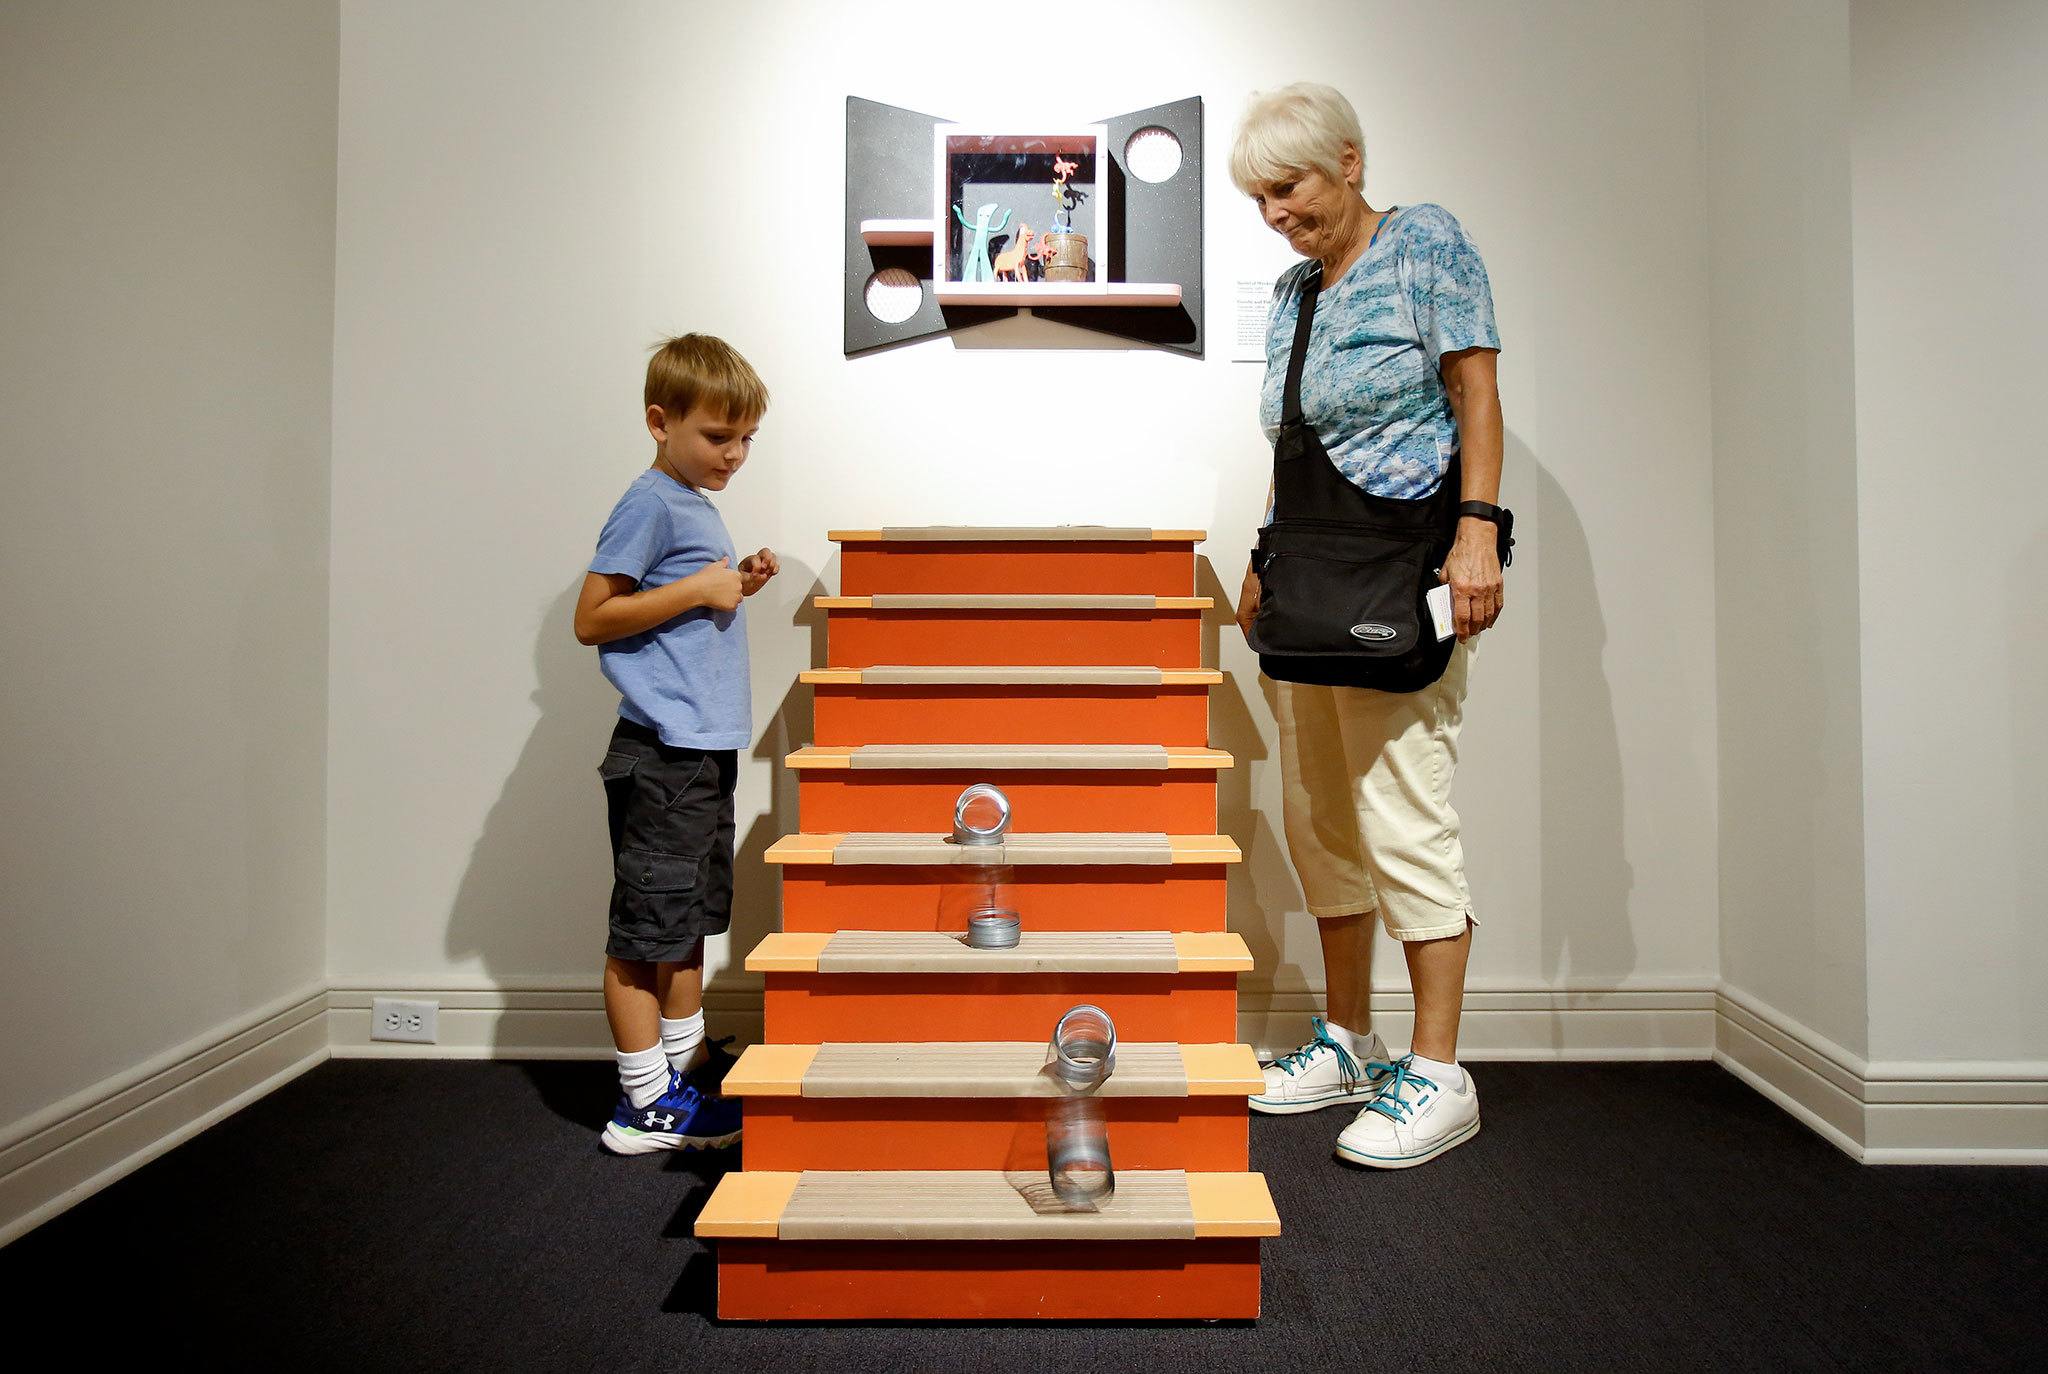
(1397, 387)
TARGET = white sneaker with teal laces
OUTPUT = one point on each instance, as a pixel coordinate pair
(1322, 1073)
(1413, 1120)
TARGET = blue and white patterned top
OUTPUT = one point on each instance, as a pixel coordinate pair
(1371, 386)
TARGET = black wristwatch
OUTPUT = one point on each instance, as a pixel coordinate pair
(1503, 520)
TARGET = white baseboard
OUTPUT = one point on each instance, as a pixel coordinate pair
(1879, 1113)
(72, 1149)
(530, 1019)
(1985, 1112)
(1503, 1023)
(547, 1019)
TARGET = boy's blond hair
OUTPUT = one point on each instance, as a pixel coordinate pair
(699, 370)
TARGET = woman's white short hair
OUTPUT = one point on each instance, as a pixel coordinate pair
(1290, 130)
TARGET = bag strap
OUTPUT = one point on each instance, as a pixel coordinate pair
(1304, 320)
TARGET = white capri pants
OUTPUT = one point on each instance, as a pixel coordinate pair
(1366, 778)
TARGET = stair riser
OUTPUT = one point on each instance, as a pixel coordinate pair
(1181, 802)
(796, 1133)
(1194, 1280)
(1057, 567)
(862, 1008)
(828, 897)
(863, 714)
(1060, 639)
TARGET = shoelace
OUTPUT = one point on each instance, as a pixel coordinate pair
(1390, 1103)
(1347, 1067)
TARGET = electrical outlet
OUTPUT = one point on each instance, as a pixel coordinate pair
(392, 1019)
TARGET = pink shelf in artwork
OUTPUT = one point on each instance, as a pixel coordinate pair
(1057, 293)
(897, 232)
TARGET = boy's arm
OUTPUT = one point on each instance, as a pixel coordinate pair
(608, 608)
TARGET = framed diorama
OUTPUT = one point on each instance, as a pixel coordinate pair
(949, 225)
(989, 186)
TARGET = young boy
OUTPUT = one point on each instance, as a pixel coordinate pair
(662, 600)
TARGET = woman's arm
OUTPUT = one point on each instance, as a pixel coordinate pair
(1248, 594)
(1473, 568)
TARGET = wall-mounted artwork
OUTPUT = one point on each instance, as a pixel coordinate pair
(950, 225)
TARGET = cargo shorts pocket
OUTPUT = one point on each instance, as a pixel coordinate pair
(643, 870)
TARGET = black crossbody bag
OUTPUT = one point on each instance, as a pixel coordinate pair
(1343, 573)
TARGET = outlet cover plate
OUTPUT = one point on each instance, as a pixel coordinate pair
(392, 1018)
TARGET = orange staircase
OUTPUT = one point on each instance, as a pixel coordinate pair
(895, 1161)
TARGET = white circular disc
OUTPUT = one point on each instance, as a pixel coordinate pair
(894, 295)
(1153, 154)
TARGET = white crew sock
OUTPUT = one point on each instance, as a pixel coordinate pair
(1357, 1043)
(643, 1074)
(1449, 1077)
(679, 1039)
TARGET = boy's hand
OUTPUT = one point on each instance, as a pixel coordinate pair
(719, 586)
(756, 569)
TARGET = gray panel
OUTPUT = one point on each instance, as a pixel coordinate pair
(1160, 235)
(889, 176)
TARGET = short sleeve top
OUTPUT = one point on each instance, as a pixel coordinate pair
(685, 679)
(1371, 385)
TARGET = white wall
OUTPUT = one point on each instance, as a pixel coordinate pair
(1950, 134)
(530, 194)
(167, 282)
(1787, 666)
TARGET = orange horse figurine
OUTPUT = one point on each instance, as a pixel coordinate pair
(1010, 262)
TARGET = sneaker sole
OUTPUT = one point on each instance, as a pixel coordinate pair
(647, 1143)
(1268, 1106)
(1351, 1156)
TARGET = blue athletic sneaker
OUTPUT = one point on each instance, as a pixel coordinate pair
(709, 1076)
(682, 1118)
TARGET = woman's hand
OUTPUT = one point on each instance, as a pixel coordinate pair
(1248, 601)
(1473, 570)
(755, 570)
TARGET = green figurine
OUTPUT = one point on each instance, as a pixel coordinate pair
(974, 265)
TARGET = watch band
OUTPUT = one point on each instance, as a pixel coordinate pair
(1483, 510)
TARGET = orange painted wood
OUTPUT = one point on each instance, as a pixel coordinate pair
(925, 714)
(1194, 1133)
(866, 1007)
(857, 638)
(887, 897)
(773, 1280)
(1060, 566)
(1176, 802)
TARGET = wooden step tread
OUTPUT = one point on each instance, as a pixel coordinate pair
(1025, 757)
(928, 848)
(1028, 534)
(985, 1068)
(1036, 951)
(982, 1204)
(1005, 601)
(1017, 675)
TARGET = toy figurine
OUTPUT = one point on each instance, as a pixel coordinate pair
(1062, 208)
(974, 262)
(1010, 262)
(1064, 253)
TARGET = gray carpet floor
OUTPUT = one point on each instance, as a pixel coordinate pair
(381, 1215)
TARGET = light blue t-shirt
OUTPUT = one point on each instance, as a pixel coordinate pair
(1371, 387)
(685, 679)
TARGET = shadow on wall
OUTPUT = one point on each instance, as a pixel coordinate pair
(1261, 889)
(531, 905)
(1588, 932)
(2027, 729)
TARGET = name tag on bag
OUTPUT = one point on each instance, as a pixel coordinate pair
(1439, 601)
